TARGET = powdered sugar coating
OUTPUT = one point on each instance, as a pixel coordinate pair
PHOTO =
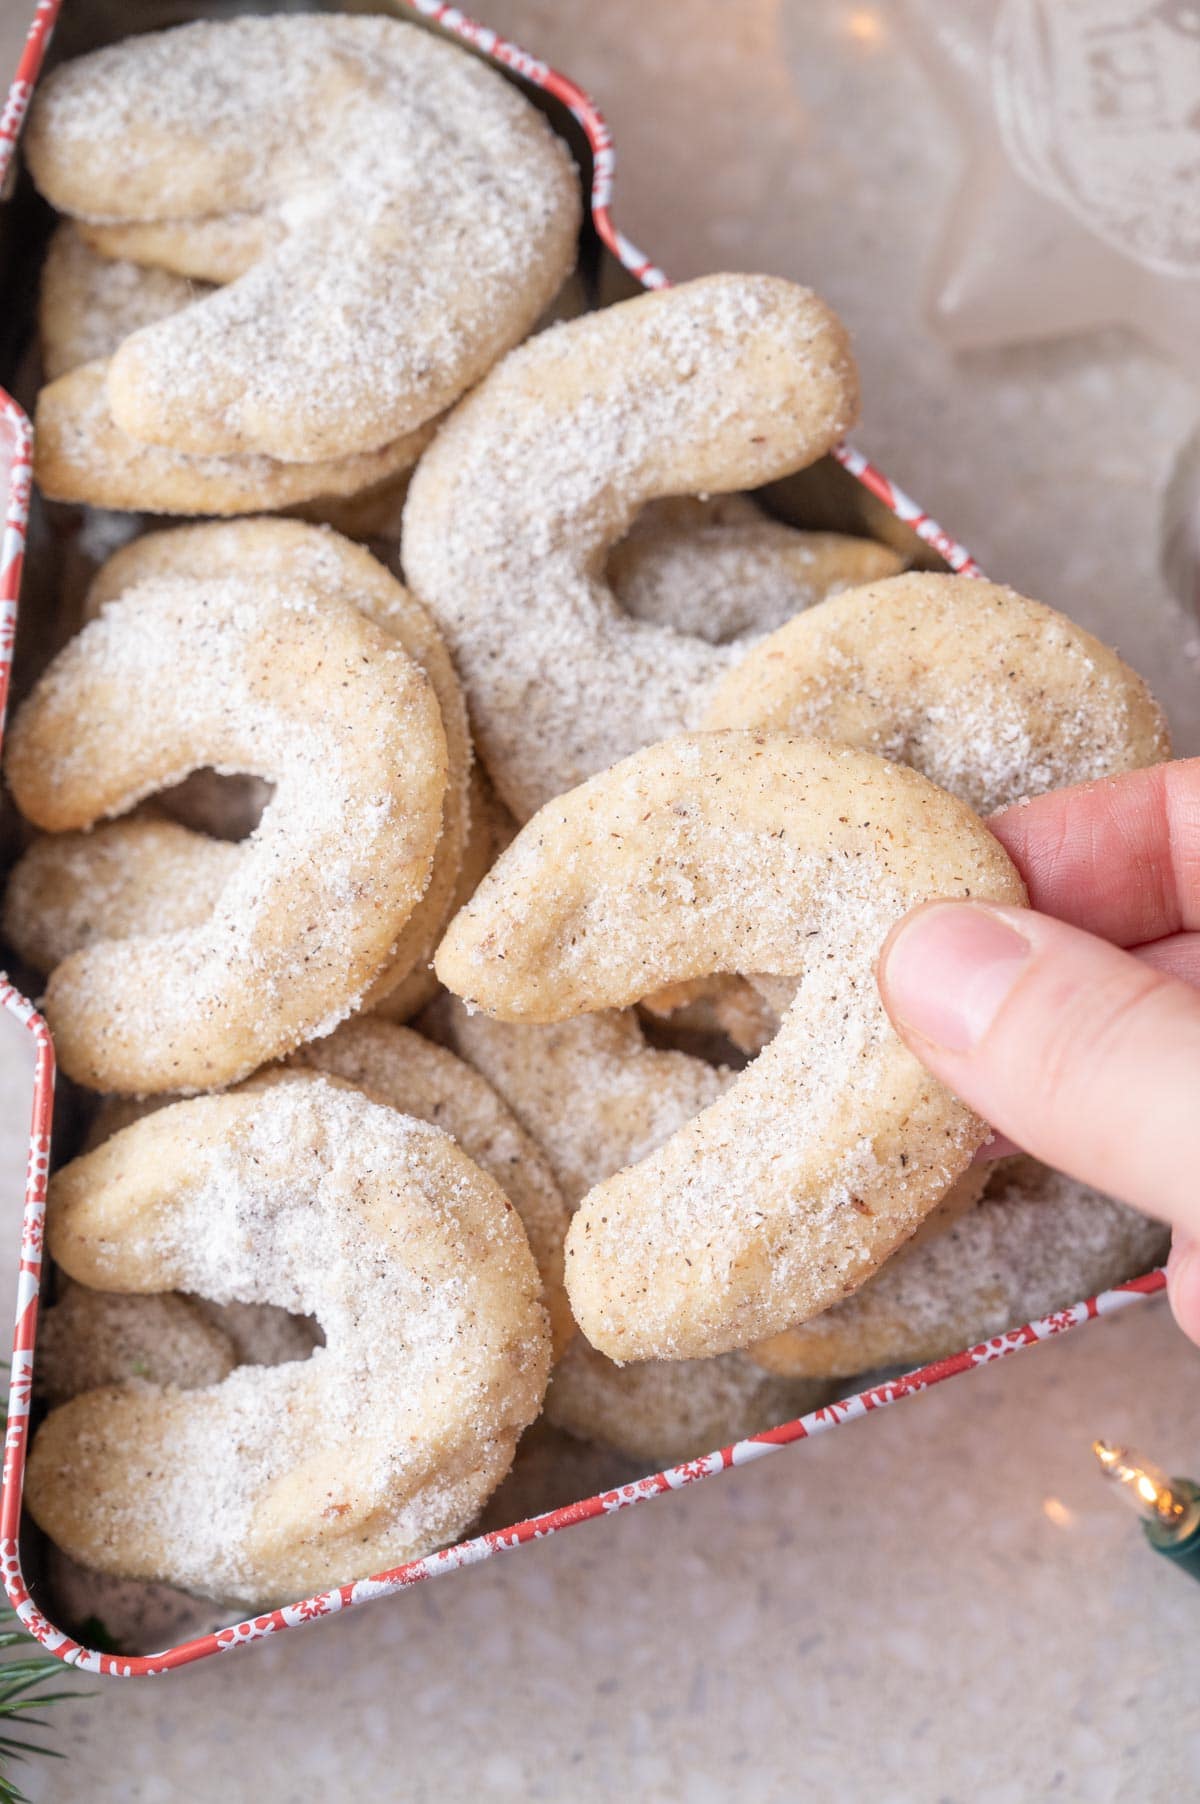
(669, 1410)
(723, 579)
(282, 1481)
(260, 1334)
(430, 215)
(752, 853)
(82, 454)
(1036, 1242)
(241, 673)
(598, 1099)
(717, 568)
(719, 384)
(71, 890)
(288, 552)
(256, 1334)
(592, 1094)
(214, 248)
(406, 999)
(410, 1074)
(94, 1337)
(992, 696)
(88, 304)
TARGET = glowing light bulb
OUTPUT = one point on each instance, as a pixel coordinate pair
(1169, 1507)
(1142, 1484)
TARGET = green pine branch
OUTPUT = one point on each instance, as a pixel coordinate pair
(29, 1681)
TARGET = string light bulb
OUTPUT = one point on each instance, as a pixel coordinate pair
(1169, 1507)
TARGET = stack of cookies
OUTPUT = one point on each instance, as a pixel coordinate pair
(472, 975)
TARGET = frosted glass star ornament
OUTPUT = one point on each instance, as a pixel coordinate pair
(1080, 205)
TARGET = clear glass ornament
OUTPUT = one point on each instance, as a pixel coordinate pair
(1081, 202)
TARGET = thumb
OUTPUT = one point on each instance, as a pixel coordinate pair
(1085, 1056)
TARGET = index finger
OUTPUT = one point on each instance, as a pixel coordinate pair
(1120, 858)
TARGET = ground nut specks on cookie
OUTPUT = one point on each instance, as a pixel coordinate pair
(750, 852)
(396, 165)
(139, 876)
(720, 384)
(280, 1481)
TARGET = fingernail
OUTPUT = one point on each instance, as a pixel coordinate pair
(947, 969)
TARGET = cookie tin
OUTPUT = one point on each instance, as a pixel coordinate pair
(844, 491)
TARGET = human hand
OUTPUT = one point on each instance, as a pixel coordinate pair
(1075, 1030)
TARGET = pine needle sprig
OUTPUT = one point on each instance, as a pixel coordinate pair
(29, 1681)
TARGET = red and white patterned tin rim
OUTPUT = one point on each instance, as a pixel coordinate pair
(16, 451)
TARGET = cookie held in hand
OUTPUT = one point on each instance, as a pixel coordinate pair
(753, 853)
